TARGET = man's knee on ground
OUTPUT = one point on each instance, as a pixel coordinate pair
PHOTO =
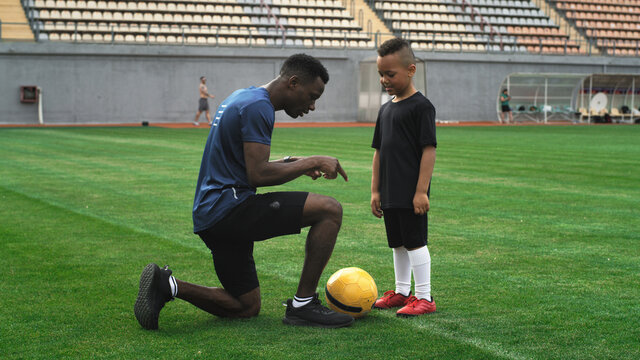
(247, 310)
(250, 304)
(251, 311)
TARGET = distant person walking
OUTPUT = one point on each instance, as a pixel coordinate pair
(203, 104)
(504, 103)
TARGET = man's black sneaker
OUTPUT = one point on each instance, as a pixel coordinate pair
(314, 314)
(154, 292)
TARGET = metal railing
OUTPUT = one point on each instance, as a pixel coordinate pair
(477, 18)
(316, 38)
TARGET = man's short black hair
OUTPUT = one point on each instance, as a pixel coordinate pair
(395, 45)
(201, 77)
(306, 67)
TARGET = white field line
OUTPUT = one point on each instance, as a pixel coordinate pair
(488, 346)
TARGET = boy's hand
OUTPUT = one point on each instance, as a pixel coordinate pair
(376, 210)
(420, 203)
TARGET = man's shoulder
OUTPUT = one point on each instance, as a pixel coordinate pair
(251, 93)
(251, 97)
(253, 100)
(257, 104)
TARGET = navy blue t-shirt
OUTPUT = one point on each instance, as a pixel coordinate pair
(247, 115)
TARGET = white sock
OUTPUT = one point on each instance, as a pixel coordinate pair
(402, 268)
(300, 301)
(421, 266)
(174, 286)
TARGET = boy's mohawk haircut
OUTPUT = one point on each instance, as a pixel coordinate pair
(395, 45)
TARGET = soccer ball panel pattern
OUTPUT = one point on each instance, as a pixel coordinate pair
(351, 291)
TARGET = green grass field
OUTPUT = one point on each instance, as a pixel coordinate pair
(534, 238)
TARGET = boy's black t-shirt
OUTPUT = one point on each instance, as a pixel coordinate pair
(402, 131)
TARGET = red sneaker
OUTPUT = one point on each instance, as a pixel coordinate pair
(391, 299)
(417, 307)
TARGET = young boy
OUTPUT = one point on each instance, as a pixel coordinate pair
(405, 151)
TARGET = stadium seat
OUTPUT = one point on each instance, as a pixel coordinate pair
(423, 19)
(597, 21)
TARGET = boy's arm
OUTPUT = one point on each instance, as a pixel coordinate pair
(420, 199)
(376, 210)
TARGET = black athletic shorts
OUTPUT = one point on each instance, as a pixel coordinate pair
(405, 228)
(505, 108)
(203, 104)
(260, 217)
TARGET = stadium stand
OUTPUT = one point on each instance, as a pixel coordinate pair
(613, 26)
(525, 26)
(368, 20)
(468, 25)
(573, 33)
(14, 24)
(220, 22)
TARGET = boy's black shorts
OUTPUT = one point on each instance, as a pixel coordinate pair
(260, 217)
(405, 228)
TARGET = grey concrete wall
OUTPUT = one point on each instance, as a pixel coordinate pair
(91, 83)
(107, 84)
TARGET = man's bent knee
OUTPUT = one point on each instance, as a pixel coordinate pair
(332, 208)
(319, 207)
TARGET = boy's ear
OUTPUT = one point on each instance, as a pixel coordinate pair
(412, 69)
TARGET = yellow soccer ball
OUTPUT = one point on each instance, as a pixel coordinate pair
(351, 291)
